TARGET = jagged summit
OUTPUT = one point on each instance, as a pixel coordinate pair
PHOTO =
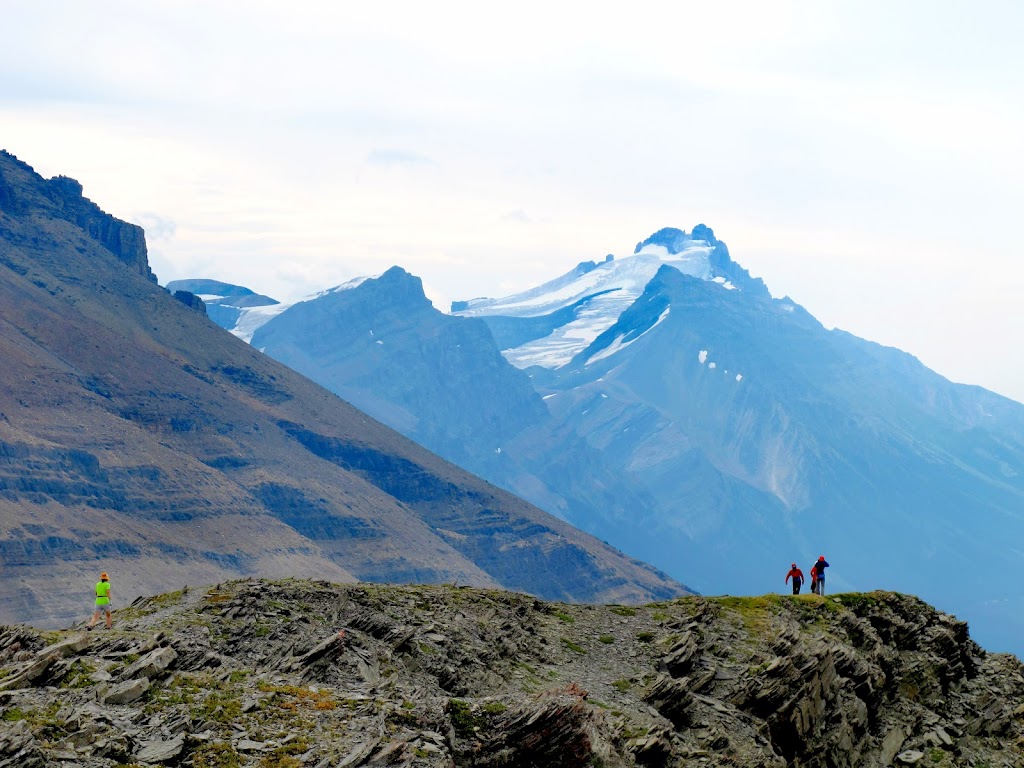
(398, 284)
(675, 240)
(292, 672)
(722, 266)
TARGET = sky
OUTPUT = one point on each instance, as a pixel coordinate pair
(864, 158)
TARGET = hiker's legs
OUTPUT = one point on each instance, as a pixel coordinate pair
(109, 620)
(95, 618)
(821, 586)
(796, 586)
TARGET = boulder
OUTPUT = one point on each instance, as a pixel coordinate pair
(28, 674)
(126, 692)
(160, 751)
(72, 646)
(909, 757)
(152, 665)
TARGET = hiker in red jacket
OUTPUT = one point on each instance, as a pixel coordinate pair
(814, 578)
(798, 578)
(819, 568)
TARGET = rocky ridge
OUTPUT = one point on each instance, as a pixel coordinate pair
(297, 673)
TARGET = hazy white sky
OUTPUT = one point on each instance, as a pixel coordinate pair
(864, 158)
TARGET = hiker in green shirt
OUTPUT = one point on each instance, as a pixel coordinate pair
(102, 602)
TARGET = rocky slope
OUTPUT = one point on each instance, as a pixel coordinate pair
(294, 673)
(138, 437)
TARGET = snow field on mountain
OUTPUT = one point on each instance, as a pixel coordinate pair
(618, 284)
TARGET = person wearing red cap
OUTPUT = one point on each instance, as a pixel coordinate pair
(819, 568)
(102, 602)
(798, 578)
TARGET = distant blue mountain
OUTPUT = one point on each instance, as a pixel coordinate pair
(224, 302)
(667, 403)
(441, 380)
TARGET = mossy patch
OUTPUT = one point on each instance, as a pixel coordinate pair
(206, 697)
(78, 676)
(285, 756)
(464, 720)
(859, 602)
(754, 612)
(218, 755)
(574, 647)
(293, 697)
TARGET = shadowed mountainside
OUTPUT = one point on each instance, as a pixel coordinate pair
(441, 381)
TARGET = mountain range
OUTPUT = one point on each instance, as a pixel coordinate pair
(138, 437)
(668, 404)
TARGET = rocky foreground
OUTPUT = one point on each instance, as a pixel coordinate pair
(297, 673)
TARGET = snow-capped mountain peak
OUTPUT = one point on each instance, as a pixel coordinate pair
(548, 325)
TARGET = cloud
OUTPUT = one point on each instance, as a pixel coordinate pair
(157, 227)
(390, 158)
(832, 147)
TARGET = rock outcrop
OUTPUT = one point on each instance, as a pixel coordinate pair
(191, 301)
(61, 198)
(294, 673)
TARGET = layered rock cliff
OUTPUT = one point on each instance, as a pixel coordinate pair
(61, 198)
(293, 673)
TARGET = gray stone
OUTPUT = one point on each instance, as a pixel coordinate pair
(153, 664)
(72, 646)
(126, 692)
(29, 673)
(892, 743)
(910, 757)
(360, 753)
(160, 751)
